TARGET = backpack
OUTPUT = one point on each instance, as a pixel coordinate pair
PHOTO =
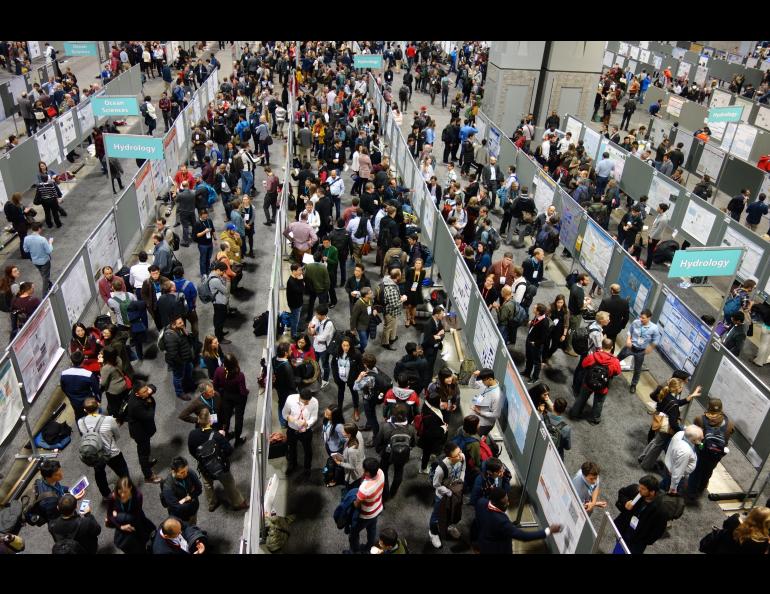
(571, 279)
(529, 295)
(714, 438)
(598, 377)
(493, 239)
(427, 256)
(123, 305)
(174, 244)
(445, 134)
(462, 442)
(398, 447)
(211, 463)
(732, 306)
(434, 465)
(488, 448)
(361, 230)
(260, 324)
(205, 294)
(520, 315)
(394, 262)
(382, 383)
(5, 301)
(44, 507)
(580, 343)
(555, 431)
(91, 450)
(345, 511)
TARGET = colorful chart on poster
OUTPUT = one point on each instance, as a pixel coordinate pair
(571, 216)
(76, 291)
(462, 287)
(596, 252)
(493, 142)
(485, 337)
(698, 221)
(636, 286)
(37, 348)
(747, 405)
(11, 405)
(519, 407)
(684, 335)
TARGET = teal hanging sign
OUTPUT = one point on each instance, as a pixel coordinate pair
(133, 146)
(368, 61)
(115, 106)
(705, 262)
(731, 113)
(80, 48)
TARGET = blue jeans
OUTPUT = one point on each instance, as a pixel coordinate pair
(371, 535)
(433, 524)
(294, 315)
(370, 411)
(323, 361)
(182, 378)
(665, 484)
(601, 184)
(641, 96)
(247, 181)
(205, 253)
(363, 339)
(638, 355)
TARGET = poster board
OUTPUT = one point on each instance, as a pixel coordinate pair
(701, 72)
(544, 188)
(617, 155)
(752, 258)
(571, 217)
(720, 98)
(763, 118)
(195, 112)
(745, 134)
(632, 64)
(11, 405)
(486, 341)
(657, 61)
(698, 221)
(636, 286)
(661, 191)
(37, 348)
(66, 123)
(86, 117)
(591, 140)
(171, 152)
(3, 191)
(674, 105)
(76, 291)
(34, 49)
(493, 142)
(103, 248)
(519, 407)
(608, 60)
(659, 130)
(623, 48)
(575, 127)
(746, 405)
(144, 192)
(747, 107)
(686, 139)
(180, 131)
(710, 162)
(462, 287)
(683, 70)
(728, 136)
(684, 336)
(633, 52)
(48, 145)
(596, 252)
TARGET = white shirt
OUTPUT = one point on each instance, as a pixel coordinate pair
(354, 163)
(138, 274)
(180, 542)
(299, 411)
(314, 220)
(331, 97)
(492, 173)
(324, 332)
(336, 186)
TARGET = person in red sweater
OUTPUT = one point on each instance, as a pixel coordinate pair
(596, 381)
(403, 394)
(105, 283)
(184, 175)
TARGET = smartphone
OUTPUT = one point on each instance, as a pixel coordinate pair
(84, 505)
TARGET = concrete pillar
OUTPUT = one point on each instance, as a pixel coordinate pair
(528, 76)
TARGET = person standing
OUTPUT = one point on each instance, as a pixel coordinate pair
(619, 312)
(203, 233)
(643, 517)
(321, 328)
(78, 384)
(737, 204)
(17, 214)
(681, 458)
(295, 296)
(576, 304)
(369, 503)
(448, 479)
(216, 282)
(394, 442)
(537, 335)
(140, 414)
(301, 413)
(180, 490)
(656, 233)
(643, 337)
(486, 404)
(390, 296)
(179, 357)
(81, 528)
(271, 194)
(717, 430)
(755, 211)
(433, 337)
(230, 382)
(185, 210)
(601, 366)
(40, 250)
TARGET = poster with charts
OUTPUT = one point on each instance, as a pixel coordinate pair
(678, 52)
(683, 70)
(747, 106)
(34, 49)
(633, 52)
(48, 145)
(623, 49)
(180, 131)
(37, 348)
(746, 404)
(596, 252)
(544, 188)
(160, 179)
(754, 251)
(728, 136)
(720, 98)
(632, 64)
(763, 118)
(481, 126)
(3, 191)
(574, 127)
(519, 406)
(571, 215)
(66, 123)
(684, 336)
(76, 291)
(462, 287)
(485, 338)
(616, 155)
(659, 130)
(657, 61)
(11, 406)
(171, 152)
(661, 191)
(743, 141)
(698, 221)
(493, 142)
(700, 75)
(195, 112)
(86, 117)
(674, 105)
(559, 501)
(103, 249)
(144, 192)
(710, 162)
(609, 59)
(428, 220)
(636, 286)
(591, 140)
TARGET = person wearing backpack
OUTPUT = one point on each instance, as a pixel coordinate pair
(98, 445)
(140, 415)
(717, 430)
(537, 335)
(493, 474)
(447, 478)
(643, 337)
(740, 300)
(587, 340)
(366, 385)
(81, 528)
(600, 367)
(394, 442)
(561, 433)
(212, 451)
(467, 439)
(576, 304)
(47, 492)
(180, 490)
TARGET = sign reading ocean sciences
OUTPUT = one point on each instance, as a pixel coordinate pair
(705, 262)
(80, 48)
(368, 61)
(111, 107)
(731, 113)
(133, 146)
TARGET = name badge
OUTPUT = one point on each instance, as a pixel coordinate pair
(502, 280)
(534, 274)
(208, 234)
(369, 310)
(245, 216)
(157, 295)
(556, 322)
(213, 419)
(634, 522)
(414, 286)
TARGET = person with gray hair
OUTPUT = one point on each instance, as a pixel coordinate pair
(681, 458)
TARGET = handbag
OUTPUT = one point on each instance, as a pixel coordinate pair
(366, 248)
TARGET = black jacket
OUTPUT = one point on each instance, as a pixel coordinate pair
(198, 437)
(416, 366)
(295, 292)
(140, 414)
(537, 333)
(178, 348)
(652, 517)
(84, 530)
(173, 490)
(356, 367)
(169, 308)
(388, 231)
(618, 309)
(283, 379)
(367, 204)
(341, 240)
(429, 344)
(15, 216)
(192, 534)
(433, 434)
(387, 430)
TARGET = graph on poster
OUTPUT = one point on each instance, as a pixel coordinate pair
(37, 348)
(11, 405)
(86, 116)
(635, 286)
(461, 290)
(591, 140)
(661, 192)
(710, 162)
(684, 336)
(746, 403)
(544, 189)
(519, 407)
(48, 145)
(103, 249)
(76, 291)
(745, 134)
(574, 127)
(752, 258)
(596, 252)
(698, 221)
(66, 123)
(570, 222)
(485, 338)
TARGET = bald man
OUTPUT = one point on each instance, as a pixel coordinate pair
(178, 538)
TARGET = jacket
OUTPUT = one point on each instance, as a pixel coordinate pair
(602, 358)
(129, 513)
(353, 460)
(317, 278)
(680, 458)
(496, 530)
(140, 414)
(178, 348)
(713, 420)
(173, 490)
(284, 381)
(192, 534)
(405, 396)
(617, 307)
(734, 338)
(198, 437)
(163, 257)
(538, 332)
(233, 387)
(652, 517)
(84, 530)
(190, 412)
(388, 428)
(149, 294)
(533, 270)
(416, 367)
(78, 384)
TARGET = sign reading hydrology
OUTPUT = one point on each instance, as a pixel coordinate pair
(368, 61)
(705, 262)
(111, 106)
(80, 48)
(133, 146)
(731, 113)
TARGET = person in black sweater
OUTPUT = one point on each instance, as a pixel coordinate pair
(15, 213)
(536, 337)
(295, 296)
(70, 525)
(140, 414)
(355, 283)
(283, 378)
(180, 491)
(433, 337)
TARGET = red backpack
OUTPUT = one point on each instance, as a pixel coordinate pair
(488, 448)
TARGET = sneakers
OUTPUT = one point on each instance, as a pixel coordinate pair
(324, 383)
(632, 389)
(453, 532)
(435, 540)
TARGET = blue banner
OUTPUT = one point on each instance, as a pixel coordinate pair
(705, 262)
(133, 146)
(111, 107)
(80, 48)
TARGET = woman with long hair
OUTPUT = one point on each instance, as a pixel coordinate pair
(447, 388)
(741, 535)
(413, 289)
(212, 354)
(230, 382)
(9, 286)
(557, 338)
(333, 434)
(346, 366)
(84, 340)
(352, 458)
(16, 214)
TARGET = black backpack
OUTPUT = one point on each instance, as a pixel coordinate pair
(580, 342)
(211, 462)
(555, 431)
(714, 438)
(260, 324)
(5, 301)
(598, 376)
(529, 295)
(337, 338)
(382, 383)
(361, 230)
(174, 244)
(394, 262)
(398, 447)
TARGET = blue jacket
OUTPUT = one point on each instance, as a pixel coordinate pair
(166, 73)
(189, 291)
(482, 478)
(78, 384)
(495, 530)
(755, 211)
(465, 131)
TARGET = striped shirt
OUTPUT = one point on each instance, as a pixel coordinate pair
(370, 496)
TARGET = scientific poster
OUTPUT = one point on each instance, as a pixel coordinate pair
(698, 221)
(659, 130)
(461, 289)
(211, 81)
(144, 192)
(728, 136)
(617, 155)
(684, 335)
(720, 98)
(635, 286)
(428, 220)
(754, 251)
(544, 188)
(632, 64)
(700, 75)
(571, 216)
(674, 105)
(596, 252)
(171, 152)
(37, 348)
(66, 123)
(403, 153)
(661, 191)
(678, 52)
(743, 141)
(717, 129)
(574, 127)
(519, 407)
(11, 405)
(493, 142)
(86, 117)
(609, 59)
(657, 61)
(559, 501)
(745, 404)
(103, 249)
(180, 131)
(686, 139)
(764, 189)
(710, 162)
(76, 291)
(747, 107)
(633, 52)
(481, 126)
(160, 178)
(485, 338)
(763, 118)
(194, 113)
(623, 49)
(34, 49)
(17, 86)
(591, 139)
(48, 145)
(644, 44)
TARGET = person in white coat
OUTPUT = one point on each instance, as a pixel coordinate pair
(486, 403)
(681, 458)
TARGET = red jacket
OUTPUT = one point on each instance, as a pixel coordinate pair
(405, 396)
(611, 361)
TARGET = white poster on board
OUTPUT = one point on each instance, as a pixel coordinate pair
(659, 130)
(747, 404)
(743, 141)
(144, 193)
(596, 252)
(37, 348)
(698, 221)
(623, 49)
(686, 139)
(747, 107)
(196, 113)
(720, 98)
(657, 61)
(632, 64)
(644, 56)
(591, 139)
(11, 405)
(544, 189)
(48, 145)
(765, 188)
(609, 59)
(574, 127)
(683, 70)
(763, 118)
(717, 129)
(710, 162)
(103, 249)
(700, 75)
(481, 126)
(661, 191)
(86, 117)
(66, 123)
(674, 105)
(633, 52)
(618, 158)
(462, 289)
(644, 44)
(728, 136)
(34, 49)
(76, 291)
(3, 192)
(428, 220)
(485, 338)
(754, 252)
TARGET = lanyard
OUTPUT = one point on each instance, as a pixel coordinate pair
(209, 405)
